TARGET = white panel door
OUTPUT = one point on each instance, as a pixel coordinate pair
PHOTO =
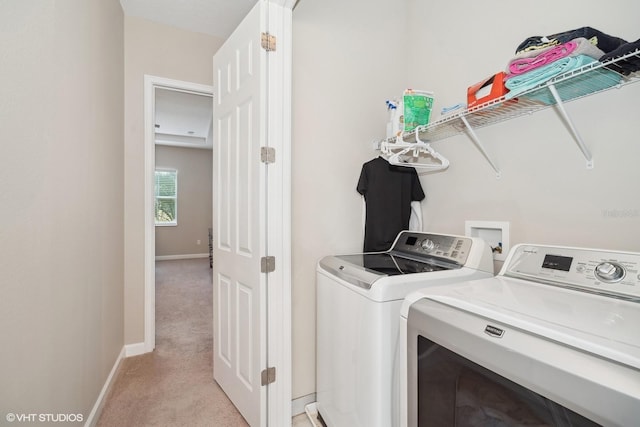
(252, 310)
(239, 217)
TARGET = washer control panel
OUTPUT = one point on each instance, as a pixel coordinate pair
(608, 272)
(428, 245)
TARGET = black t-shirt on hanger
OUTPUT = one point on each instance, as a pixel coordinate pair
(388, 191)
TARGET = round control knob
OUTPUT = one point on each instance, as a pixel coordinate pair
(609, 272)
(427, 245)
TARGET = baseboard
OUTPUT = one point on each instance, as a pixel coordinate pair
(92, 419)
(134, 349)
(298, 405)
(185, 256)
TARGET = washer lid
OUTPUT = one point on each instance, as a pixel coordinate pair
(607, 327)
(364, 269)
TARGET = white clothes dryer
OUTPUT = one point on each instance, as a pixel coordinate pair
(553, 339)
(358, 311)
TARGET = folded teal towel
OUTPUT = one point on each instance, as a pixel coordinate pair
(531, 79)
(575, 87)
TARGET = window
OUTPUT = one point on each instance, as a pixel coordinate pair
(166, 193)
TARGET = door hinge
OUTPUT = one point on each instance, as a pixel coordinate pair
(267, 154)
(268, 42)
(267, 264)
(268, 376)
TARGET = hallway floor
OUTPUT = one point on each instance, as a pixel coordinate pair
(173, 385)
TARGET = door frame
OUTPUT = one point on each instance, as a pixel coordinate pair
(279, 305)
(151, 83)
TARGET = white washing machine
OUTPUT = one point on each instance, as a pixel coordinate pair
(552, 340)
(358, 311)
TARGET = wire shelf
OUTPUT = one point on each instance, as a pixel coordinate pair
(584, 81)
(588, 80)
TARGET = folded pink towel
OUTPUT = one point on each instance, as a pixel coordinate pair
(583, 47)
(523, 65)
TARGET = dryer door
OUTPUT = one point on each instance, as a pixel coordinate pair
(464, 369)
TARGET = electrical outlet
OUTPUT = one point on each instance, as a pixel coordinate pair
(198, 242)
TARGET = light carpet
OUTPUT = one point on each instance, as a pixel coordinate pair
(173, 385)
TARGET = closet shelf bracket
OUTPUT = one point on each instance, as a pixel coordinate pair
(474, 137)
(574, 132)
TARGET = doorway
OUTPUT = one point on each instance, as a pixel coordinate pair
(183, 174)
(151, 85)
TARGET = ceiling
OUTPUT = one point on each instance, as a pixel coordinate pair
(183, 119)
(214, 17)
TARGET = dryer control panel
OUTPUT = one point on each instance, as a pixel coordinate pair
(605, 272)
(454, 249)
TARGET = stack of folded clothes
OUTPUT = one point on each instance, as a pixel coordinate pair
(628, 65)
(539, 59)
(603, 41)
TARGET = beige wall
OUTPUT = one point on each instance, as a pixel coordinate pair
(194, 168)
(545, 191)
(346, 64)
(61, 169)
(160, 51)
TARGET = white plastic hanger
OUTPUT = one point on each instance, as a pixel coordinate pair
(416, 148)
